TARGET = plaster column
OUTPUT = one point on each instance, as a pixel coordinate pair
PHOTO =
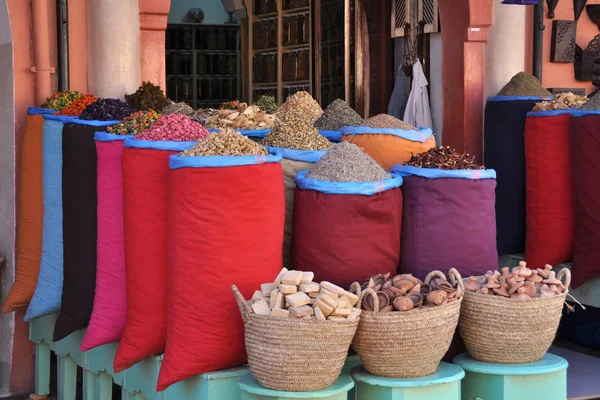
(465, 30)
(506, 46)
(153, 23)
(113, 28)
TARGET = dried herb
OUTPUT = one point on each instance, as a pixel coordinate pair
(148, 97)
(60, 100)
(225, 143)
(135, 123)
(443, 158)
(524, 84)
(387, 121)
(178, 108)
(337, 115)
(562, 101)
(267, 103)
(106, 110)
(300, 106)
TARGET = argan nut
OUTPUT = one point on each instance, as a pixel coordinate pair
(297, 299)
(299, 312)
(288, 289)
(307, 277)
(310, 287)
(292, 278)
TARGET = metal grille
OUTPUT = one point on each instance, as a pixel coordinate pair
(429, 13)
(400, 13)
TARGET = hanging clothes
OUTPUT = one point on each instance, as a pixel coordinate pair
(417, 111)
(399, 98)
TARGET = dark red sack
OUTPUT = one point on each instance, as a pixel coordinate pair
(550, 215)
(145, 220)
(226, 227)
(346, 236)
(585, 151)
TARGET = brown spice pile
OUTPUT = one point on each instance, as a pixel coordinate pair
(524, 84)
(296, 133)
(387, 121)
(300, 106)
(226, 142)
(562, 101)
(443, 158)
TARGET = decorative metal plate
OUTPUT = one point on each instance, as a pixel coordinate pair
(563, 41)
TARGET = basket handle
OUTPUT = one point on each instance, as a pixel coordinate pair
(355, 289)
(566, 272)
(430, 276)
(245, 309)
(456, 278)
(373, 294)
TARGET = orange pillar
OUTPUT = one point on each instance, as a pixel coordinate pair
(153, 23)
(465, 26)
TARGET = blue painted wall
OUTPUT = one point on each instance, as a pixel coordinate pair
(213, 10)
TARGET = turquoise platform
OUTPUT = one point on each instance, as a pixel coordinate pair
(542, 380)
(251, 390)
(444, 384)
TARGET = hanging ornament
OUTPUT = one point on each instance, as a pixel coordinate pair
(551, 7)
(578, 6)
(593, 11)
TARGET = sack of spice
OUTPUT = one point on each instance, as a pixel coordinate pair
(148, 97)
(504, 151)
(226, 208)
(389, 140)
(347, 217)
(336, 116)
(60, 100)
(449, 215)
(249, 121)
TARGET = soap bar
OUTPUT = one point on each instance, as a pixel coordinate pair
(261, 308)
(325, 308)
(319, 314)
(267, 288)
(292, 278)
(310, 287)
(297, 299)
(281, 274)
(351, 297)
(257, 295)
(288, 289)
(301, 311)
(307, 277)
(278, 312)
(332, 288)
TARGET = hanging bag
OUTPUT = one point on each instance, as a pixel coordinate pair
(346, 231)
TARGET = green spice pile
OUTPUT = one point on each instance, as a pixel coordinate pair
(443, 158)
(148, 97)
(226, 142)
(300, 106)
(60, 100)
(387, 121)
(346, 162)
(562, 101)
(524, 84)
(178, 108)
(267, 104)
(337, 115)
(592, 104)
(298, 134)
(135, 123)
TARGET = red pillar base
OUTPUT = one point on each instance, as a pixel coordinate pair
(153, 23)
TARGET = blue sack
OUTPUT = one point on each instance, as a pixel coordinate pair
(248, 132)
(364, 188)
(310, 156)
(39, 111)
(109, 137)
(48, 292)
(420, 135)
(158, 144)
(434, 173)
(334, 136)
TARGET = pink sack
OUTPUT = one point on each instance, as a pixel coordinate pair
(109, 312)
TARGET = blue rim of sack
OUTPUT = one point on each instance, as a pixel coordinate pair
(109, 137)
(583, 113)
(247, 132)
(421, 135)
(92, 122)
(158, 144)
(334, 136)
(176, 161)
(311, 156)
(364, 188)
(434, 173)
(551, 113)
(39, 111)
(518, 98)
(60, 118)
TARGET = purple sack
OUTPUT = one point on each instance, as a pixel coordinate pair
(449, 221)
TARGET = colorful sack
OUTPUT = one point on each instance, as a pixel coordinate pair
(293, 161)
(31, 212)
(585, 147)
(389, 146)
(46, 299)
(550, 215)
(346, 231)
(448, 221)
(145, 219)
(80, 202)
(226, 225)
(252, 133)
(110, 308)
(333, 136)
(504, 151)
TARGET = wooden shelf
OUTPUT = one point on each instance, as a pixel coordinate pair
(305, 46)
(297, 83)
(265, 16)
(264, 85)
(267, 50)
(296, 10)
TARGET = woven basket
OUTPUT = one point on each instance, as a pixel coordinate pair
(502, 330)
(294, 354)
(405, 344)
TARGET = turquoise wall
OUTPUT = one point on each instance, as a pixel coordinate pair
(213, 10)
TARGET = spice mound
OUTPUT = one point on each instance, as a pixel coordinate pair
(443, 158)
(346, 162)
(520, 283)
(106, 110)
(592, 104)
(267, 104)
(562, 101)
(77, 107)
(177, 108)
(201, 115)
(251, 118)
(293, 294)
(134, 124)
(300, 106)
(226, 142)
(387, 121)
(60, 100)
(148, 97)
(297, 134)
(174, 127)
(337, 115)
(405, 292)
(524, 84)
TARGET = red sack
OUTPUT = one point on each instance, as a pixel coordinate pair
(346, 235)
(145, 218)
(226, 227)
(549, 201)
(585, 148)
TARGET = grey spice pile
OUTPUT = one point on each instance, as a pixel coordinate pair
(346, 162)
(178, 108)
(387, 121)
(524, 84)
(226, 142)
(337, 115)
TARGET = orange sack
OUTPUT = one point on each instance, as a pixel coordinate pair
(30, 212)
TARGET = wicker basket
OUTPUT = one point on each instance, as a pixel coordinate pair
(405, 344)
(502, 330)
(294, 354)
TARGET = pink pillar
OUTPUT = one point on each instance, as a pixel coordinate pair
(153, 22)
